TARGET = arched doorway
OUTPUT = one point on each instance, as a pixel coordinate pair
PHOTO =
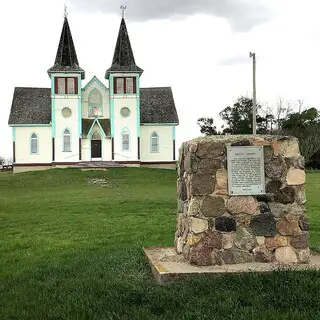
(96, 153)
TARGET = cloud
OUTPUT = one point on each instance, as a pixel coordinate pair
(241, 14)
(235, 60)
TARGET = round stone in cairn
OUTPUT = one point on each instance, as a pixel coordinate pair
(242, 204)
(300, 241)
(209, 166)
(194, 207)
(244, 239)
(286, 255)
(263, 254)
(276, 242)
(233, 256)
(296, 176)
(273, 186)
(279, 209)
(303, 223)
(300, 196)
(304, 255)
(213, 206)
(296, 162)
(243, 219)
(264, 207)
(285, 195)
(191, 163)
(226, 224)
(276, 168)
(198, 225)
(264, 225)
(288, 225)
(210, 149)
(201, 184)
(268, 154)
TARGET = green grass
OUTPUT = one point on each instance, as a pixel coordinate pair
(70, 250)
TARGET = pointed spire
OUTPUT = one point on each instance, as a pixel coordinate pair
(123, 58)
(66, 58)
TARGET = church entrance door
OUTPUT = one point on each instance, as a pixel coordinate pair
(96, 147)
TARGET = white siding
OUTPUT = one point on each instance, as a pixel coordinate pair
(70, 123)
(129, 123)
(23, 145)
(165, 143)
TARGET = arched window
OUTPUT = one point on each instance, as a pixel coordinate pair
(154, 142)
(96, 136)
(95, 103)
(34, 143)
(66, 140)
(125, 140)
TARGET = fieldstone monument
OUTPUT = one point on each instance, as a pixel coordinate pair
(241, 199)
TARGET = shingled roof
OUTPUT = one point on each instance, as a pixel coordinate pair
(33, 106)
(123, 58)
(157, 106)
(66, 58)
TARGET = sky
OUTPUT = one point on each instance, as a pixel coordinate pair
(199, 48)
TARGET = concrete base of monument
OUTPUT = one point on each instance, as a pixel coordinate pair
(167, 265)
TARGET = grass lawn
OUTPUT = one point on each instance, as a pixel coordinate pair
(70, 250)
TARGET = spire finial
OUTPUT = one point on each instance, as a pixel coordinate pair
(65, 11)
(123, 9)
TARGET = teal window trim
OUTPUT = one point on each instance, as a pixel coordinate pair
(14, 133)
(127, 132)
(154, 135)
(95, 79)
(79, 107)
(63, 136)
(37, 139)
(53, 117)
(111, 105)
(173, 133)
(138, 105)
(96, 120)
(159, 124)
(29, 125)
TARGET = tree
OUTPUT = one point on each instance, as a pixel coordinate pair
(207, 126)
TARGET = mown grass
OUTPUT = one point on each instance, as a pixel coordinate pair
(71, 250)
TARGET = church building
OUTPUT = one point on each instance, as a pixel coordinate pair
(112, 121)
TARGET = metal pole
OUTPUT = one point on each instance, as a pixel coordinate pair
(254, 98)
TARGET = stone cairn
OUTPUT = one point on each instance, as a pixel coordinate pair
(214, 228)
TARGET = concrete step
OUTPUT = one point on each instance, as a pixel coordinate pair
(97, 164)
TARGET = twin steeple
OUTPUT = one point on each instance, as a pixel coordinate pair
(123, 58)
(66, 58)
(67, 62)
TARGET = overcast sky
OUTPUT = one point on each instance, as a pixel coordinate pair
(199, 48)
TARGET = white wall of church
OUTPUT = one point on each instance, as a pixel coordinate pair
(165, 143)
(23, 145)
(125, 123)
(70, 123)
(105, 100)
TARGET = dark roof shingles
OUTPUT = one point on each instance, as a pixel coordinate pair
(123, 58)
(66, 58)
(157, 106)
(33, 106)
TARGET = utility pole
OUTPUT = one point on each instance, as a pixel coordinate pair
(254, 98)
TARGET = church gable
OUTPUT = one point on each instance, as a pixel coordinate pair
(95, 100)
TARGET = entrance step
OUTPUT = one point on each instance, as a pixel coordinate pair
(97, 164)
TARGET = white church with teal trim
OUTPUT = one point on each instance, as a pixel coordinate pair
(114, 122)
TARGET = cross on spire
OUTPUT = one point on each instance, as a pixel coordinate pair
(65, 11)
(123, 9)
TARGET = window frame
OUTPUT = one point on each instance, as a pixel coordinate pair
(151, 140)
(91, 106)
(125, 91)
(125, 132)
(66, 88)
(64, 135)
(36, 138)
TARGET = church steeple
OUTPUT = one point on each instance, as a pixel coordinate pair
(123, 58)
(66, 59)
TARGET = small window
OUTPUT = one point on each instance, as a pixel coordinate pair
(95, 103)
(125, 141)
(66, 141)
(71, 86)
(34, 143)
(66, 112)
(129, 85)
(61, 85)
(120, 85)
(154, 142)
(125, 112)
